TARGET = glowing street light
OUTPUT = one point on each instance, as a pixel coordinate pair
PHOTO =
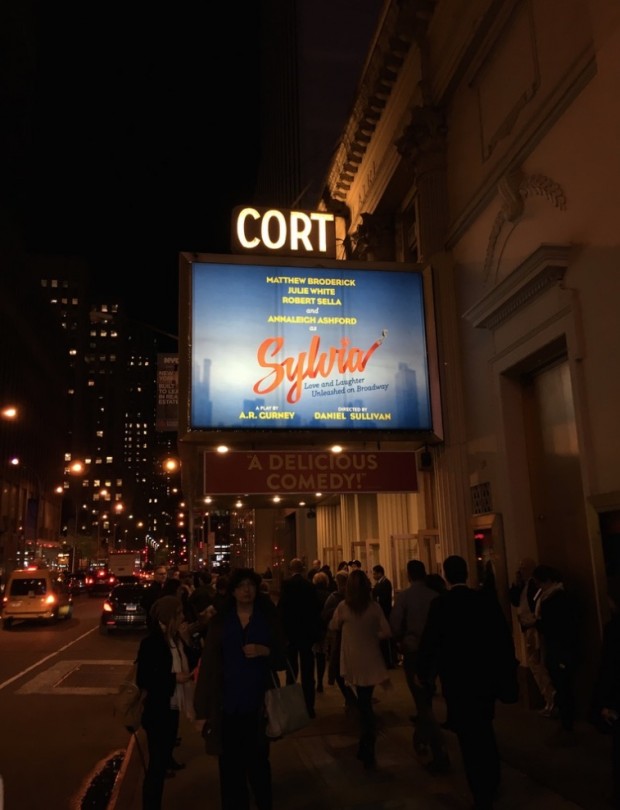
(171, 465)
(76, 468)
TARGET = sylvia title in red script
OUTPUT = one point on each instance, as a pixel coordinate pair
(310, 364)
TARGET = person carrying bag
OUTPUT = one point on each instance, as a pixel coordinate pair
(242, 647)
(285, 708)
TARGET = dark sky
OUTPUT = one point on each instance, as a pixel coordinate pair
(133, 133)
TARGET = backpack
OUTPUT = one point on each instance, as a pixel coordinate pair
(129, 701)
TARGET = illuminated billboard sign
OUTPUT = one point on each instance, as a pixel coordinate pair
(269, 473)
(283, 232)
(296, 346)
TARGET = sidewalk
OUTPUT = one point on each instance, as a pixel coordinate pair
(316, 768)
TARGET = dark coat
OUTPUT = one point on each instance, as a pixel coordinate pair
(300, 611)
(558, 627)
(382, 593)
(468, 643)
(155, 675)
(209, 693)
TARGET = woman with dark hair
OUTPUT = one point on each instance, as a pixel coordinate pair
(243, 646)
(363, 626)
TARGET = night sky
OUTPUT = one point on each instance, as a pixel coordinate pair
(132, 134)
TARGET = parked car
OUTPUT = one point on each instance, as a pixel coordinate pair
(122, 609)
(99, 582)
(35, 594)
(75, 582)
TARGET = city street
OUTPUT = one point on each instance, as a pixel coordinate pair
(56, 688)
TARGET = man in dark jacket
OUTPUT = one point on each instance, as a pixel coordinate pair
(300, 613)
(382, 593)
(467, 641)
(154, 591)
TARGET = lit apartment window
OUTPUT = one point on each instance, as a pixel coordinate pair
(91, 383)
(54, 283)
(72, 352)
(75, 301)
(109, 460)
(99, 434)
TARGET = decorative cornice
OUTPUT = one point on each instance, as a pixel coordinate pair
(404, 24)
(514, 187)
(544, 268)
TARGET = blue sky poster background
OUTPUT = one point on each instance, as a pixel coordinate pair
(231, 305)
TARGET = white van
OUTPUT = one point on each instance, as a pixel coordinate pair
(35, 593)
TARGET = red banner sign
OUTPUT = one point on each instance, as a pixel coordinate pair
(273, 473)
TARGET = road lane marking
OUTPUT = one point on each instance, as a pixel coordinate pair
(47, 658)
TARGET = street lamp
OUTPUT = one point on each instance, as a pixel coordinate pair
(76, 469)
(9, 412)
(118, 509)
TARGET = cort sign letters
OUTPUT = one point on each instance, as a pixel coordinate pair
(283, 232)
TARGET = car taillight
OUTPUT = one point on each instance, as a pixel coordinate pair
(50, 599)
(107, 607)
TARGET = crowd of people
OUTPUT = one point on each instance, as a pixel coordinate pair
(216, 644)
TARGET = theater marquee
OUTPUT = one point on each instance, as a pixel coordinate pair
(306, 346)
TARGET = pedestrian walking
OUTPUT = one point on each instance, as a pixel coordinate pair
(407, 620)
(300, 614)
(363, 625)
(556, 620)
(522, 595)
(467, 642)
(243, 646)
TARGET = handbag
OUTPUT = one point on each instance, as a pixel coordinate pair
(129, 701)
(285, 707)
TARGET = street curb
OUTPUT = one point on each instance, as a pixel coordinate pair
(129, 778)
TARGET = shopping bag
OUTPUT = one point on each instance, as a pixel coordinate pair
(286, 711)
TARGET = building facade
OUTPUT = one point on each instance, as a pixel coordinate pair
(482, 144)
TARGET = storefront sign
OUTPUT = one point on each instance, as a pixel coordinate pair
(281, 473)
(283, 233)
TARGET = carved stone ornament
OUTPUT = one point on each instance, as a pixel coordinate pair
(514, 188)
(371, 237)
(425, 132)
